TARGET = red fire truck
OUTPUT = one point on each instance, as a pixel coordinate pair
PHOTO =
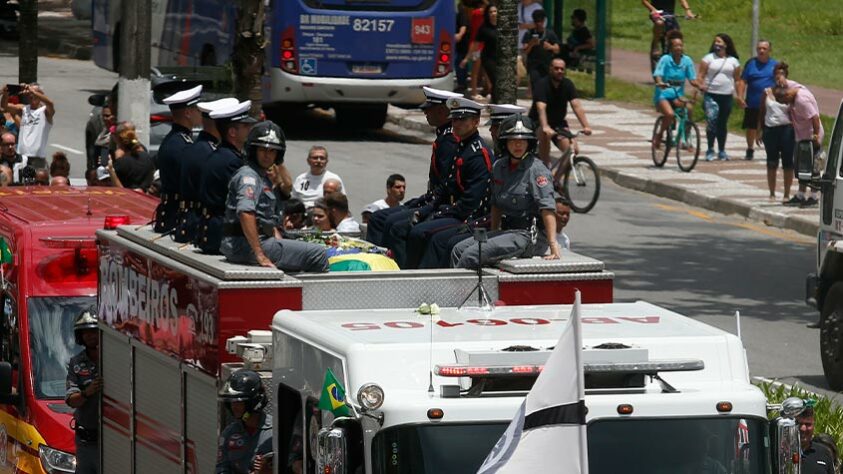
(167, 311)
(48, 277)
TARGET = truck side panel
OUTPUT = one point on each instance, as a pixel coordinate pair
(201, 419)
(116, 403)
(157, 388)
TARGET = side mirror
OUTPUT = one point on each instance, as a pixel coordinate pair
(788, 451)
(331, 451)
(6, 395)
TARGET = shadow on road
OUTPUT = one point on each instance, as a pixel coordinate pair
(317, 124)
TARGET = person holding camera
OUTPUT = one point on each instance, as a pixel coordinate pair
(540, 45)
(36, 112)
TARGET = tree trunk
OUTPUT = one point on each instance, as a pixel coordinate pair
(28, 43)
(507, 73)
(248, 56)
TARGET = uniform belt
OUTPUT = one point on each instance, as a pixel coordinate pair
(520, 223)
(235, 230)
(87, 435)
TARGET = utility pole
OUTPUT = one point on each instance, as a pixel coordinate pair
(28, 42)
(756, 14)
(506, 86)
(248, 56)
(135, 45)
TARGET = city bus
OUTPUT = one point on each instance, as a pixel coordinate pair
(355, 56)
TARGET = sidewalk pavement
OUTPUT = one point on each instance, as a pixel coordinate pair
(620, 146)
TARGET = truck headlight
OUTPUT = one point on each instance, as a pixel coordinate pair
(370, 396)
(55, 461)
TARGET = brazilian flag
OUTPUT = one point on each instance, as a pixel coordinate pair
(333, 396)
(5, 252)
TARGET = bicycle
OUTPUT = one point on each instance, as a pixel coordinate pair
(578, 184)
(687, 137)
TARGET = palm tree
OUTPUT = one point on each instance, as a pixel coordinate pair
(248, 56)
(507, 74)
(28, 42)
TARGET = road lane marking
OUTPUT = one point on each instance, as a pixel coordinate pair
(765, 230)
(67, 149)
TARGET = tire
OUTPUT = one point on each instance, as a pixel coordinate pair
(583, 195)
(659, 154)
(361, 117)
(688, 148)
(831, 337)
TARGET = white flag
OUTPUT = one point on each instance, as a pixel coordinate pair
(548, 431)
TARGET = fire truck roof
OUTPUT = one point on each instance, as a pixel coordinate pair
(42, 204)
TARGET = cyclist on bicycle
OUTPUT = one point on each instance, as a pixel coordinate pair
(663, 16)
(551, 97)
(670, 75)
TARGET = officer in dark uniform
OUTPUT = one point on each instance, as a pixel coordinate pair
(245, 445)
(83, 387)
(523, 204)
(233, 123)
(185, 117)
(251, 225)
(467, 199)
(193, 159)
(378, 230)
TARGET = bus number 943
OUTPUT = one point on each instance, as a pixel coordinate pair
(375, 25)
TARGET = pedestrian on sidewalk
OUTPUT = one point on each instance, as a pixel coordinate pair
(757, 76)
(777, 134)
(718, 71)
(132, 166)
(462, 41)
(540, 46)
(475, 47)
(670, 75)
(488, 35)
(805, 117)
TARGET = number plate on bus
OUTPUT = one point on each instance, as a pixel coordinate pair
(422, 30)
(366, 69)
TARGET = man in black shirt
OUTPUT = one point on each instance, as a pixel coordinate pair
(580, 39)
(551, 97)
(540, 45)
(462, 41)
(816, 458)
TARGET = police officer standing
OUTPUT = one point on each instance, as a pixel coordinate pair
(233, 123)
(245, 445)
(251, 223)
(83, 387)
(436, 112)
(185, 117)
(193, 159)
(467, 200)
(523, 204)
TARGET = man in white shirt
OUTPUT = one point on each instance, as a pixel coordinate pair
(338, 213)
(396, 186)
(36, 122)
(308, 186)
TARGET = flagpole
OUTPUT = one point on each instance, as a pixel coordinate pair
(580, 376)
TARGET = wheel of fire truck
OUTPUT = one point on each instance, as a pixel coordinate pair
(831, 336)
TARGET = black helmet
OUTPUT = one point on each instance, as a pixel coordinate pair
(244, 386)
(266, 134)
(517, 126)
(86, 320)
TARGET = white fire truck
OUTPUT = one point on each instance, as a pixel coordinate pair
(167, 311)
(433, 393)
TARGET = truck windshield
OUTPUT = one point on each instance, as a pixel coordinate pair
(51, 341)
(674, 446)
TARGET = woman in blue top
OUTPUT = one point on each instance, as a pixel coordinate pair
(670, 75)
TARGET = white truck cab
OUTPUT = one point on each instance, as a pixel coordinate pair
(433, 393)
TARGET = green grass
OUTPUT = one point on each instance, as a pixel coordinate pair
(828, 415)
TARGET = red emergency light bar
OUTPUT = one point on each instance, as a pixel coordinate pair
(111, 222)
(69, 242)
(487, 371)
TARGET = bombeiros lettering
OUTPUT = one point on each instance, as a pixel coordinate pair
(366, 326)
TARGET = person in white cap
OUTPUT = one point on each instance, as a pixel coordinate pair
(497, 114)
(193, 158)
(185, 117)
(233, 123)
(380, 226)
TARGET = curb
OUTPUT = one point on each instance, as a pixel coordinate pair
(725, 206)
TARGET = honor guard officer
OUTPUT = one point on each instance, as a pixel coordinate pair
(497, 114)
(83, 387)
(233, 123)
(523, 204)
(245, 445)
(250, 227)
(468, 180)
(444, 149)
(185, 117)
(193, 159)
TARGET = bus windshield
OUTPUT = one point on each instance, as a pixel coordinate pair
(51, 341)
(675, 446)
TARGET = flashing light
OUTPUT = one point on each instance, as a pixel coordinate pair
(444, 57)
(435, 413)
(111, 222)
(625, 409)
(289, 61)
(724, 407)
(487, 371)
(159, 118)
(287, 55)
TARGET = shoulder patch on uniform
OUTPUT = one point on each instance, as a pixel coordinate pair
(249, 180)
(250, 192)
(541, 180)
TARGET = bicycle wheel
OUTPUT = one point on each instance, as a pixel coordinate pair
(660, 154)
(688, 151)
(582, 184)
